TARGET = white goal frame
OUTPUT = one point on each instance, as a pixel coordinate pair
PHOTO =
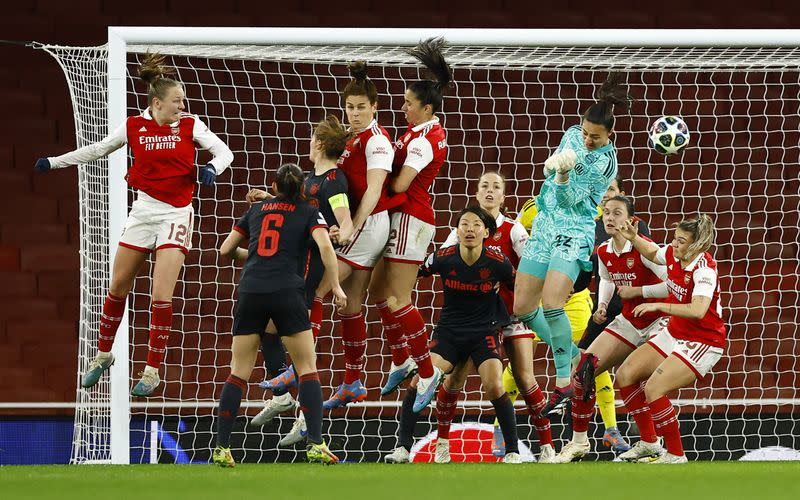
(120, 37)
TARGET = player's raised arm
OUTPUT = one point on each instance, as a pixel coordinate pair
(86, 154)
(646, 248)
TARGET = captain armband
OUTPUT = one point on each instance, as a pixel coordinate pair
(339, 201)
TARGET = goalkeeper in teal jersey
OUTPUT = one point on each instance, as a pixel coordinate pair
(576, 177)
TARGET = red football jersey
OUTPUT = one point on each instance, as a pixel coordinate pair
(424, 148)
(163, 155)
(369, 149)
(509, 240)
(629, 268)
(682, 283)
(163, 158)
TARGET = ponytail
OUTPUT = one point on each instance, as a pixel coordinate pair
(360, 84)
(612, 94)
(289, 181)
(157, 76)
(429, 53)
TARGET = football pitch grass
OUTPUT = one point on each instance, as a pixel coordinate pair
(697, 480)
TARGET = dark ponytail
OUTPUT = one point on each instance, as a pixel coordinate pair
(429, 53)
(360, 84)
(289, 181)
(612, 94)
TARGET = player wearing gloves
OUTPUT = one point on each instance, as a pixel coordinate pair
(562, 236)
(164, 141)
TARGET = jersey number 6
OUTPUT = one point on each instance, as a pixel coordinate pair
(270, 236)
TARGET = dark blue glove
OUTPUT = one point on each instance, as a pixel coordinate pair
(42, 165)
(208, 175)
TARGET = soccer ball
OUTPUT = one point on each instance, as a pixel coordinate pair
(668, 135)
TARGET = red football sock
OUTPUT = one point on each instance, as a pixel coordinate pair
(446, 404)
(635, 402)
(354, 339)
(391, 330)
(416, 333)
(113, 309)
(160, 327)
(666, 423)
(582, 411)
(535, 401)
(316, 316)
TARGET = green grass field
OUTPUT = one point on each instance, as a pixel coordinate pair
(699, 480)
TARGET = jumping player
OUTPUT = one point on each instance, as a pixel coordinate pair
(164, 142)
(419, 155)
(562, 238)
(366, 163)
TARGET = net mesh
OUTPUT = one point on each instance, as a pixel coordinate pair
(506, 112)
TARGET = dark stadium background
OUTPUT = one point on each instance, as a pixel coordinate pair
(39, 278)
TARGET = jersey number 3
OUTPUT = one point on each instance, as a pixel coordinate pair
(270, 236)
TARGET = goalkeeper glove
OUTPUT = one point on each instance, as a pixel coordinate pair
(566, 161)
(208, 175)
(560, 163)
(42, 165)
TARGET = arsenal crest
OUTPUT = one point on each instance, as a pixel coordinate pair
(687, 278)
(630, 263)
(175, 130)
(484, 273)
(314, 189)
(497, 236)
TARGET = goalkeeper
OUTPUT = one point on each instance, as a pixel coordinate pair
(577, 176)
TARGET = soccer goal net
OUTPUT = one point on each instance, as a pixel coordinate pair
(262, 90)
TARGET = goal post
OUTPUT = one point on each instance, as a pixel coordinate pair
(516, 91)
